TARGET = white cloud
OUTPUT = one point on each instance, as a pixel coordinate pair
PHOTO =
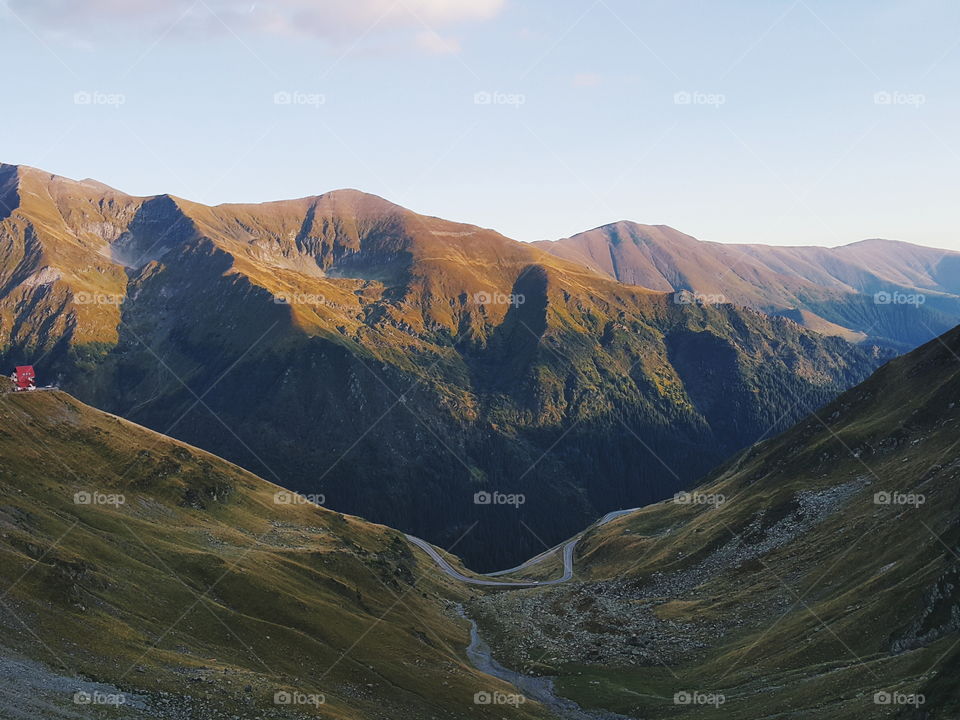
(334, 20)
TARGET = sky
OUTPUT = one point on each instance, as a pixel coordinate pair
(768, 121)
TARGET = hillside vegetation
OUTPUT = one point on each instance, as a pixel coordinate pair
(814, 571)
(396, 363)
(201, 591)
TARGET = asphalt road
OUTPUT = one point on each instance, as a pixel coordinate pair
(567, 549)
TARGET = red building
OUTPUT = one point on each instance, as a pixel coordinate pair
(24, 377)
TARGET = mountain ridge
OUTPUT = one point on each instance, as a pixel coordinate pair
(251, 590)
(814, 573)
(837, 286)
(321, 341)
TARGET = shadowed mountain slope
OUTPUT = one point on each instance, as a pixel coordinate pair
(394, 362)
(815, 575)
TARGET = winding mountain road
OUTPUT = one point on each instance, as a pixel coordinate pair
(567, 549)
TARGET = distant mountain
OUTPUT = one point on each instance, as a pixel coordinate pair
(397, 363)
(139, 566)
(817, 574)
(892, 293)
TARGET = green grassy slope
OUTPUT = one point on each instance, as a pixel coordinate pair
(803, 594)
(206, 585)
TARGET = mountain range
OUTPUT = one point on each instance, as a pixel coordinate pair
(400, 364)
(813, 575)
(892, 293)
(140, 569)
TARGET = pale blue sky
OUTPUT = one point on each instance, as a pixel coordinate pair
(780, 138)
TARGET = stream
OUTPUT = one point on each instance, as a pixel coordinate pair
(540, 689)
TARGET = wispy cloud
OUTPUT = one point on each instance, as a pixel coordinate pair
(332, 20)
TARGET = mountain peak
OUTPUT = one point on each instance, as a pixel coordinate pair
(883, 242)
(826, 288)
(38, 178)
(358, 200)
